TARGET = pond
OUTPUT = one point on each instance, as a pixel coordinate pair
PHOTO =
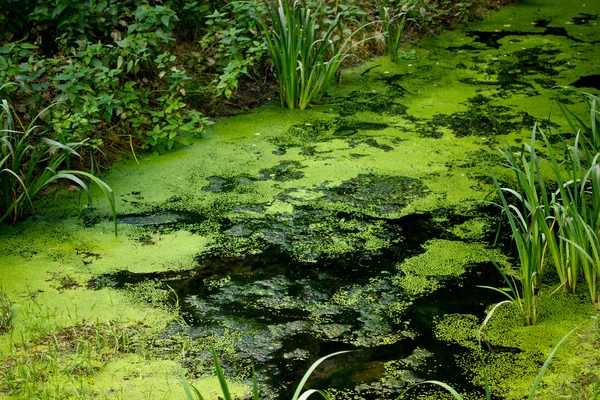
(284, 236)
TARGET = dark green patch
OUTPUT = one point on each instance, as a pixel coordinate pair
(492, 39)
(374, 143)
(379, 103)
(152, 219)
(349, 128)
(220, 184)
(588, 81)
(480, 119)
(584, 19)
(375, 194)
(284, 171)
(511, 72)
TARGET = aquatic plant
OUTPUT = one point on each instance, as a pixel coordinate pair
(192, 393)
(393, 23)
(576, 208)
(591, 129)
(527, 222)
(30, 162)
(306, 50)
(566, 222)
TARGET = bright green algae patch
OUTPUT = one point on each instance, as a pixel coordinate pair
(326, 184)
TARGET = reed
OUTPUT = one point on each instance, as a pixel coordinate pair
(528, 222)
(29, 162)
(306, 50)
(576, 208)
(5, 312)
(590, 129)
(393, 24)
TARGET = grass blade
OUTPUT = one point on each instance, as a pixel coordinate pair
(311, 370)
(540, 374)
(220, 375)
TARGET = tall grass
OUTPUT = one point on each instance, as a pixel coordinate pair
(576, 208)
(528, 222)
(5, 312)
(306, 49)
(29, 162)
(393, 24)
(590, 129)
(564, 222)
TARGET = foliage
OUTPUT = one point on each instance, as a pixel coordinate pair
(5, 315)
(233, 42)
(29, 162)
(110, 68)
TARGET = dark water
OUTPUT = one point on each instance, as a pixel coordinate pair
(286, 309)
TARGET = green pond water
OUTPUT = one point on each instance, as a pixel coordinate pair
(283, 236)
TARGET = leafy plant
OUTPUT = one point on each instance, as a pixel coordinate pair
(306, 50)
(29, 162)
(233, 44)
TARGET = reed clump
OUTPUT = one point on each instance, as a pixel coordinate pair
(306, 47)
(560, 226)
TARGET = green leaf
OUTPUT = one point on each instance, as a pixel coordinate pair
(59, 9)
(28, 46)
(165, 20)
(538, 379)
(220, 375)
(311, 370)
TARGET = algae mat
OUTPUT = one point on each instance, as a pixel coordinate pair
(283, 236)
